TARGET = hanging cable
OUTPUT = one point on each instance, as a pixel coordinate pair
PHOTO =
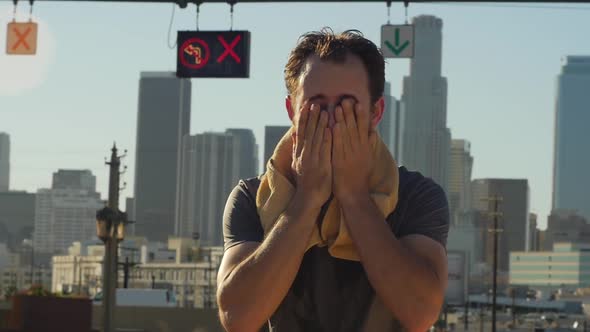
(388, 12)
(231, 14)
(31, 11)
(170, 28)
(14, 10)
(406, 3)
(198, 12)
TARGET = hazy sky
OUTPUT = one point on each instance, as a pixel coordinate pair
(64, 107)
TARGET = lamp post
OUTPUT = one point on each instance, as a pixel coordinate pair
(110, 228)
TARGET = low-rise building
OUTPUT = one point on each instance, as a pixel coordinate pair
(181, 266)
(567, 266)
(19, 278)
(77, 274)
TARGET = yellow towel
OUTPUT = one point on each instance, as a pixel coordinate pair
(277, 189)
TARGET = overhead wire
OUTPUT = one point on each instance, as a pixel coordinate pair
(508, 6)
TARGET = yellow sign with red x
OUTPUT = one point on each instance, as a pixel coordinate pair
(21, 38)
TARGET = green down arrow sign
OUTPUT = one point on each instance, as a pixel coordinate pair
(397, 49)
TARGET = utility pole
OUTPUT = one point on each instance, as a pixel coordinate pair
(110, 226)
(513, 293)
(466, 316)
(495, 230)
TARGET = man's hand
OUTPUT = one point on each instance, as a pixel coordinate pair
(352, 151)
(311, 164)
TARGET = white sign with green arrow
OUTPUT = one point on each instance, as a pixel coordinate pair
(397, 41)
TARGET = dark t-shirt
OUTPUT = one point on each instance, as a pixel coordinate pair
(331, 294)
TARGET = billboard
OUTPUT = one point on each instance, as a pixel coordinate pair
(458, 276)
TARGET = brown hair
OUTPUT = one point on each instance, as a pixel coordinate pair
(336, 47)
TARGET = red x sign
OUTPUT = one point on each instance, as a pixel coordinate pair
(21, 38)
(229, 49)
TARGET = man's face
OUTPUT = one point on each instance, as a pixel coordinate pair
(327, 84)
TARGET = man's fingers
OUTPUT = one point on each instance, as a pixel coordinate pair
(344, 136)
(348, 106)
(326, 151)
(319, 133)
(312, 123)
(337, 142)
(362, 118)
(300, 133)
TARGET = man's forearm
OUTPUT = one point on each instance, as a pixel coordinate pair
(405, 283)
(251, 293)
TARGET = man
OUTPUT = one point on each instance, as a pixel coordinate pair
(334, 236)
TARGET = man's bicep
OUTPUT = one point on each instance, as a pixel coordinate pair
(233, 256)
(431, 253)
(241, 223)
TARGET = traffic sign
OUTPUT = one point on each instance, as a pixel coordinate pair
(213, 54)
(397, 41)
(21, 38)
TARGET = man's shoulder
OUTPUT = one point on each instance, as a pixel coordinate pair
(250, 186)
(410, 181)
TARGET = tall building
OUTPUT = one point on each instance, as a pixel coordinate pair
(209, 173)
(461, 165)
(17, 217)
(533, 238)
(514, 221)
(565, 226)
(130, 210)
(390, 127)
(67, 212)
(163, 119)
(4, 162)
(426, 143)
(74, 179)
(272, 136)
(247, 167)
(571, 179)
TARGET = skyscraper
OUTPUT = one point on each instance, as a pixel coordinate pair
(74, 179)
(210, 169)
(390, 127)
(565, 226)
(4, 162)
(17, 216)
(461, 164)
(66, 212)
(514, 222)
(247, 167)
(272, 136)
(163, 119)
(426, 143)
(571, 179)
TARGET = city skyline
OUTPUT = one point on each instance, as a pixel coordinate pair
(518, 88)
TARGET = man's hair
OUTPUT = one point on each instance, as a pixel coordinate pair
(329, 46)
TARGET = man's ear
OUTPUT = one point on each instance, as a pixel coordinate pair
(377, 115)
(289, 107)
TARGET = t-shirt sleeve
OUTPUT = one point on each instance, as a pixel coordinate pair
(427, 212)
(240, 218)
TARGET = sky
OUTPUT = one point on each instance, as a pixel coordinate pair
(64, 107)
